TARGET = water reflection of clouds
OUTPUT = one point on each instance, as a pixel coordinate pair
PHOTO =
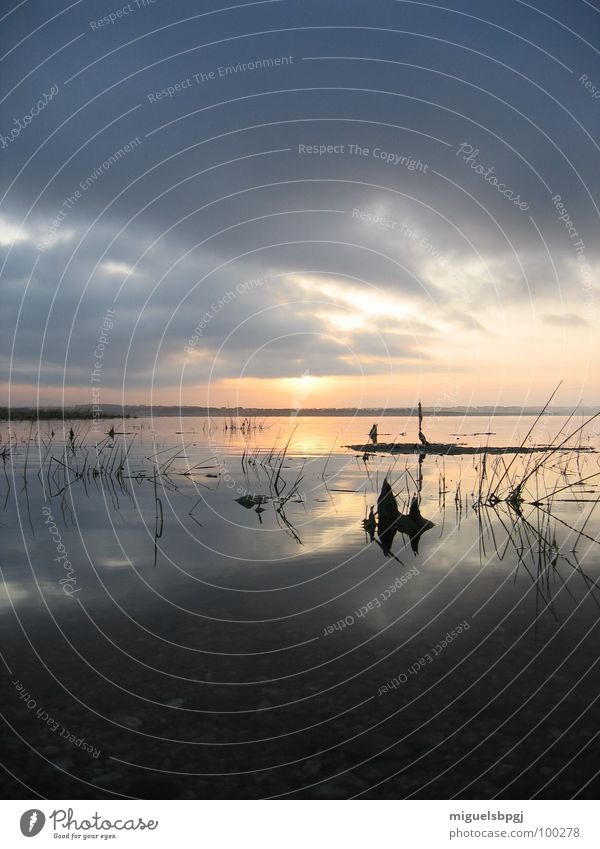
(14, 593)
(321, 535)
(113, 563)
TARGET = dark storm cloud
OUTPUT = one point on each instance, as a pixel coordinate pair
(199, 179)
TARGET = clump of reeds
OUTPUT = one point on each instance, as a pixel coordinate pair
(505, 481)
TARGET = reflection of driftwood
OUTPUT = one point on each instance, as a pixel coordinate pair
(250, 501)
(387, 516)
(390, 520)
(370, 525)
(452, 448)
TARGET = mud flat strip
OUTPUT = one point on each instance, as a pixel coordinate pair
(451, 448)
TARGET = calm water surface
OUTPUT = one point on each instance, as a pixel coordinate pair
(194, 612)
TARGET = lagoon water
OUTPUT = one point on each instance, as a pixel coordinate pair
(213, 620)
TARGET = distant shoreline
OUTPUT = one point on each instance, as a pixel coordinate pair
(113, 411)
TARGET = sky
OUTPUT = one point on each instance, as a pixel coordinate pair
(297, 204)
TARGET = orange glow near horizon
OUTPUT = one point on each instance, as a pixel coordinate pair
(491, 384)
(516, 363)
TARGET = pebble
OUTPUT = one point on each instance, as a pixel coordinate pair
(106, 778)
(130, 721)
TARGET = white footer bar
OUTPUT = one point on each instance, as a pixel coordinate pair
(298, 824)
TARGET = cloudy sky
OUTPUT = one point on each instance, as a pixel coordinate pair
(300, 202)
